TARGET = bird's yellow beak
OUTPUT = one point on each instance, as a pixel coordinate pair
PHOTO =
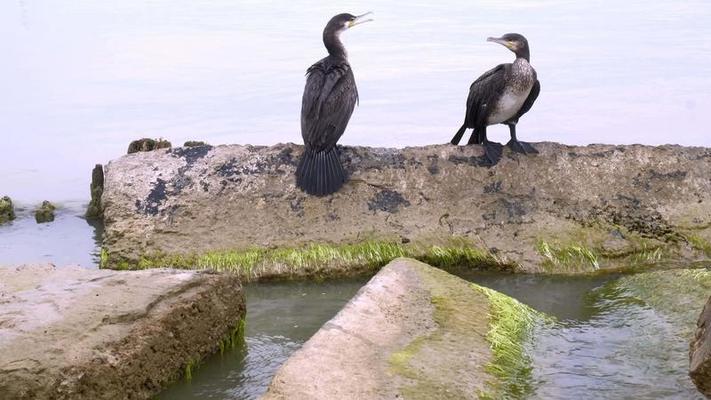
(361, 19)
(508, 44)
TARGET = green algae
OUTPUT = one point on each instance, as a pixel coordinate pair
(511, 328)
(460, 320)
(235, 337)
(45, 212)
(690, 289)
(570, 258)
(319, 260)
(699, 243)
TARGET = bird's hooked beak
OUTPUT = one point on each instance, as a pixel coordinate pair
(360, 19)
(506, 43)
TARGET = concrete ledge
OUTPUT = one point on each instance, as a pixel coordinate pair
(568, 209)
(412, 332)
(73, 333)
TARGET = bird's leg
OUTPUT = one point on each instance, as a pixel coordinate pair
(492, 150)
(516, 146)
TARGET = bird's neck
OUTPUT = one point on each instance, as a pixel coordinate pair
(523, 54)
(332, 41)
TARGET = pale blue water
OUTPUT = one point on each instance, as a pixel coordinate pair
(81, 78)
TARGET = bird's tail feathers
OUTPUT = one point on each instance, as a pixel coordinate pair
(458, 136)
(320, 173)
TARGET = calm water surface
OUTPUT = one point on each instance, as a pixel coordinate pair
(82, 78)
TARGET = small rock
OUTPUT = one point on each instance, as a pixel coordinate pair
(45, 212)
(95, 211)
(7, 210)
(146, 144)
(194, 143)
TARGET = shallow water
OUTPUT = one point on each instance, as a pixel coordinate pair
(68, 240)
(280, 318)
(604, 344)
(81, 78)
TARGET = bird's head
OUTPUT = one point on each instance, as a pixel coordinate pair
(515, 42)
(342, 22)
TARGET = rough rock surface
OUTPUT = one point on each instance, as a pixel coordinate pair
(73, 333)
(700, 353)
(620, 202)
(391, 341)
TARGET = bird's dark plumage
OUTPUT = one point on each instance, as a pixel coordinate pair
(329, 98)
(501, 95)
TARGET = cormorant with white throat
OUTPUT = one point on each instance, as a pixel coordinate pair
(501, 96)
(329, 98)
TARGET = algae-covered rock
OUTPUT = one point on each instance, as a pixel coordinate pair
(194, 143)
(148, 145)
(569, 209)
(45, 212)
(95, 211)
(700, 352)
(414, 332)
(77, 333)
(7, 210)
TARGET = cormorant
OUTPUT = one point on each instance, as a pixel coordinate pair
(501, 96)
(329, 98)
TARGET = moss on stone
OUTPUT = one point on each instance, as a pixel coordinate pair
(45, 212)
(511, 330)
(194, 143)
(7, 210)
(460, 316)
(147, 144)
(95, 210)
(570, 258)
(699, 243)
(320, 260)
(608, 247)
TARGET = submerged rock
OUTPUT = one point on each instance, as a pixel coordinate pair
(567, 209)
(74, 333)
(700, 353)
(148, 145)
(95, 211)
(45, 212)
(413, 332)
(7, 210)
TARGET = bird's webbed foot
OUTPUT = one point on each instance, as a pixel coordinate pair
(492, 152)
(521, 147)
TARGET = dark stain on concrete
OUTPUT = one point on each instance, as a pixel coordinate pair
(191, 154)
(387, 200)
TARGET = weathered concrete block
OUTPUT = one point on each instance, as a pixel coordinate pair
(700, 353)
(413, 332)
(567, 209)
(73, 333)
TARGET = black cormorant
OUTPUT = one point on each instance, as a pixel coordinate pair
(329, 98)
(501, 96)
